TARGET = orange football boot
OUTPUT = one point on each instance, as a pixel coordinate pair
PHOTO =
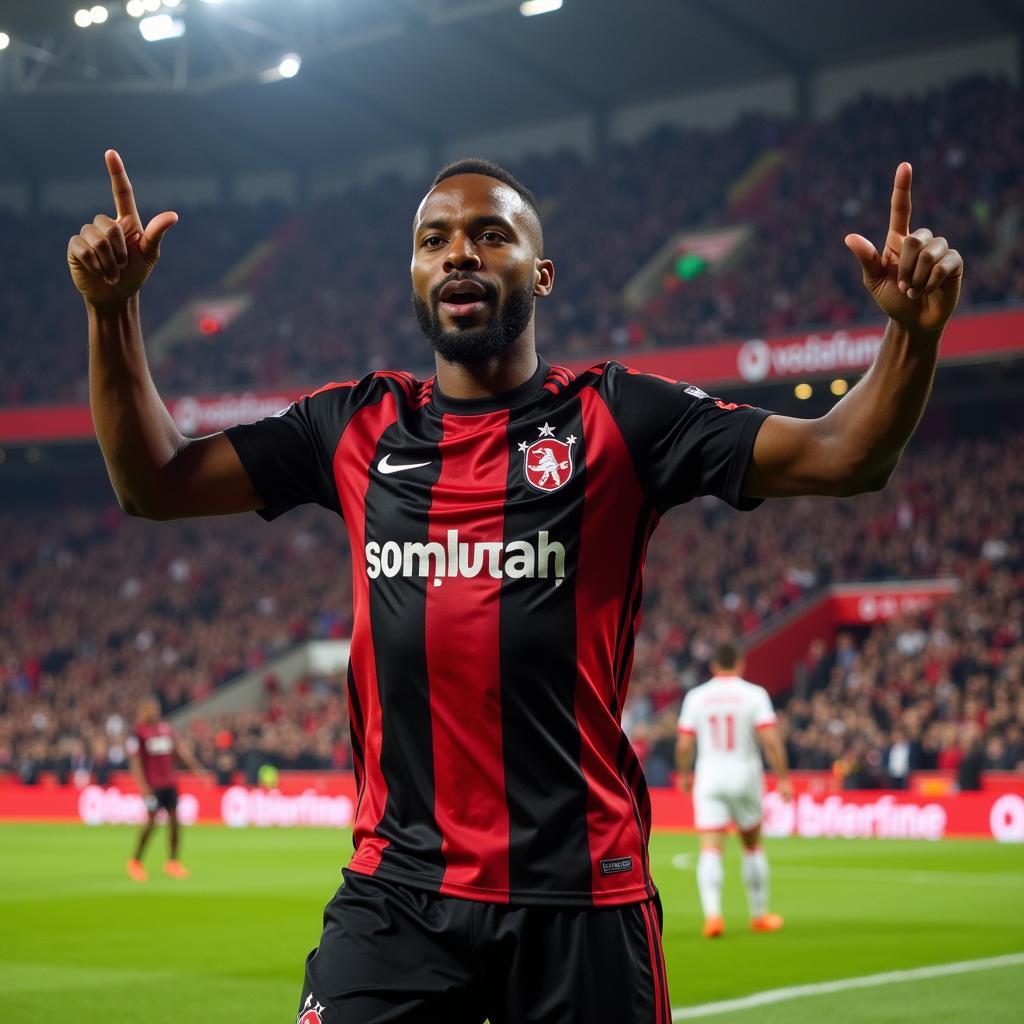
(136, 872)
(176, 869)
(714, 927)
(767, 923)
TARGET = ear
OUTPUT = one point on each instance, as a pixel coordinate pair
(543, 277)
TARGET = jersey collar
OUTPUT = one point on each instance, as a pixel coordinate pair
(492, 403)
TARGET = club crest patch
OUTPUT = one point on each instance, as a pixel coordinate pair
(312, 1011)
(547, 462)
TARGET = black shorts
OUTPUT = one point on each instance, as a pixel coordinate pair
(165, 797)
(390, 953)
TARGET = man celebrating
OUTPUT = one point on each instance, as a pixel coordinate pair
(500, 867)
(725, 718)
(151, 750)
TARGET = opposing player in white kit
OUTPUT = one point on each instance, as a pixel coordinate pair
(724, 719)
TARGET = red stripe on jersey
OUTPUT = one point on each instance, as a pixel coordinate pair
(352, 464)
(685, 731)
(767, 725)
(406, 381)
(332, 386)
(660, 951)
(613, 495)
(565, 372)
(464, 658)
(652, 949)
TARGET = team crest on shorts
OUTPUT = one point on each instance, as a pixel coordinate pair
(312, 1011)
(547, 462)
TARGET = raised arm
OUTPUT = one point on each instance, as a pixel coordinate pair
(856, 445)
(156, 472)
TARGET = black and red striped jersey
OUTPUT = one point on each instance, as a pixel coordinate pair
(498, 553)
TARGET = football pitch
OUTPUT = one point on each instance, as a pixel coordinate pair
(82, 944)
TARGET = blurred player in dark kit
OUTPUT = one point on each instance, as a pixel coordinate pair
(151, 748)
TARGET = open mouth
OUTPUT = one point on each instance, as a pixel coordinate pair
(462, 298)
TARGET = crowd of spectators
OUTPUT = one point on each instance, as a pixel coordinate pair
(303, 728)
(937, 688)
(333, 301)
(97, 609)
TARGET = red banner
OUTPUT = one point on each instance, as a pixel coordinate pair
(870, 814)
(194, 415)
(772, 654)
(300, 799)
(806, 355)
(311, 800)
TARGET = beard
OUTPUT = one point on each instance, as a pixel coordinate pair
(475, 345)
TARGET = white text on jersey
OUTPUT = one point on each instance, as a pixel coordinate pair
(520, 559)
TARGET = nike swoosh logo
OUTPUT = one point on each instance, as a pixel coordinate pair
(385, 466)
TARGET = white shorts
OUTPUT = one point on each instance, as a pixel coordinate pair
(713, 812)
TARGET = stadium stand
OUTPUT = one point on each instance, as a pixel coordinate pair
(603, 221)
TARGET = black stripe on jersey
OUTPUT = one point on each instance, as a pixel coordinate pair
(398, 509)
(357, 731)
(545, 787)
(625, 637)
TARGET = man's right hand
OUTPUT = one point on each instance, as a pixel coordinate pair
(110, 259)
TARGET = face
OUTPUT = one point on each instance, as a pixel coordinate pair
(475, 268)
(149, 710)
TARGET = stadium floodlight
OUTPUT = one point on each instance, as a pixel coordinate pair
(5, 40)
(99, 14)
(172, 3)
(287, 67)
(290, 64)
(161, 26)
(151, 5)
(528, 8)
(83, 18)
(135, 8)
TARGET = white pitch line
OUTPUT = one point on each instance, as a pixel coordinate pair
(781, 995)
(901, 877)
(685, 862)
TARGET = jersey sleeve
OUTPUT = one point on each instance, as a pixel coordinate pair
(683, 442)
(688, 715)
(764, 713)
(289, 456)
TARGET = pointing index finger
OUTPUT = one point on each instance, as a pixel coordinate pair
(899, 214)
(124, 198)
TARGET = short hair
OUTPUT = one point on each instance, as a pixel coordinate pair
(489, 169)
(727, 655)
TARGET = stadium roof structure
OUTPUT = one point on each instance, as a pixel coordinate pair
(378, 75)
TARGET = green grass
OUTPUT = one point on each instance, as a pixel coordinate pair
(81, 944)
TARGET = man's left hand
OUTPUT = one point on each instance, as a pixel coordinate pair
(916, 278)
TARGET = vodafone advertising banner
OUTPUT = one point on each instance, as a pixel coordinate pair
(311, 800)
(970, 337)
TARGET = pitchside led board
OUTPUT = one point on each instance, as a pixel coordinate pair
(929, 810)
